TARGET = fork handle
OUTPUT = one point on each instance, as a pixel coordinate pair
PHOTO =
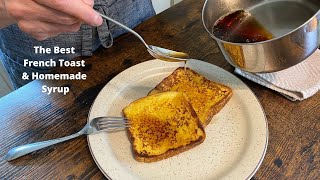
(28, 148)
(126, 28)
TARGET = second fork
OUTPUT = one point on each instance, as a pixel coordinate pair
(95, 125)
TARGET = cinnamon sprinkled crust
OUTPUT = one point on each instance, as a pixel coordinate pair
(206, 97)
(162, 125)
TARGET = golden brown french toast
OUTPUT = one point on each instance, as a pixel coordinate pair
(206, 97)
(162, 125)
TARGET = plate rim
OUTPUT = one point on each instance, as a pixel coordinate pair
(264, 114)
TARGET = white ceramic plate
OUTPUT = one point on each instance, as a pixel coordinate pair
(236, 138)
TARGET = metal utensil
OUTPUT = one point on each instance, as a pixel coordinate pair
(295, 24)
(95, 125)
(157, 52)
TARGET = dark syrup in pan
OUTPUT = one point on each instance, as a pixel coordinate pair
(240, 27)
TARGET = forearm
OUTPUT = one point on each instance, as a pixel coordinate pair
(5, 18)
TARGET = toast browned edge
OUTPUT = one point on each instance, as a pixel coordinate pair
(214, 109)
(170, 152)
(217, 108)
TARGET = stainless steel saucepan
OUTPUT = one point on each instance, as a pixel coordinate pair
(295, 25)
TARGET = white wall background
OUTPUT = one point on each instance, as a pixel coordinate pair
(161, 5)
(5, 84)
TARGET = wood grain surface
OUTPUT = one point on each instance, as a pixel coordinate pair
(28, 115)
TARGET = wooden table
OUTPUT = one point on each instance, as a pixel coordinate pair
(28, 115)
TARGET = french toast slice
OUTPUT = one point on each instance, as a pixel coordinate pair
(206, 97)
(162, 125)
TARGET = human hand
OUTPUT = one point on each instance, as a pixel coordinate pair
(47, 18)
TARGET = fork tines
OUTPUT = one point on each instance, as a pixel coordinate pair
(113, 123)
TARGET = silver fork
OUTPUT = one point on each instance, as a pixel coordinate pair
(155, 51)
(98, 124)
